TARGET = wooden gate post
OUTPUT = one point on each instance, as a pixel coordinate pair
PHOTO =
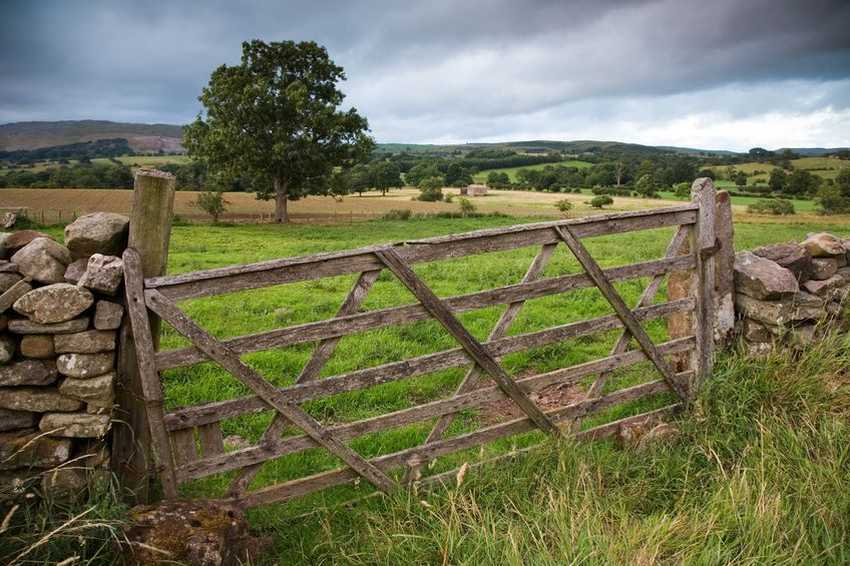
(703, 246)
(150, 231)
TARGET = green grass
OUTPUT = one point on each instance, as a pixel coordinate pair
(481, 176)
(588, 503)
(809, 206)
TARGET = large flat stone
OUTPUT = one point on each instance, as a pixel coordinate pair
(17, 240)
(14, 420)
(824, 245)
(97, 233)
(88, 342)
(802, 306)
(790, 255)
(30, 327)
(37, 400)
(91, 389)
(54, 303)
(43, 260)
(28, 372)
(28, 448)
(85, 365)
(74, 425)
(824, 288)
(762, 278)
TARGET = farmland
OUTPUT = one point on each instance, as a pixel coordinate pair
(825, 167)
(57, 205)
(431, 529)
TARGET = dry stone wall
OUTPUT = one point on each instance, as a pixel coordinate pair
(790, 294)
(60, 310)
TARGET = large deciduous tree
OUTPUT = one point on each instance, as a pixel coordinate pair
(274, 120)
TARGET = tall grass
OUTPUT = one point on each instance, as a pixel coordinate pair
(759, 475)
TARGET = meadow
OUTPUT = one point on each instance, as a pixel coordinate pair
(584, 503)
(481, 176)
(825, 167)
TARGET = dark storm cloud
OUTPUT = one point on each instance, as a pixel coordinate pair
(446, 70)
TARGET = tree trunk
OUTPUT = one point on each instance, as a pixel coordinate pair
(281, 216)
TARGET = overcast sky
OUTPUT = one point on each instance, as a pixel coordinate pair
(724, 74)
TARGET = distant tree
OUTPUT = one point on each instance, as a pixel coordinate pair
(274, 118)
(458, 176)
(466, 206)
(801, 182)
(498, 179)
(777, 180)
(740, 179)
(340, 183)
(212, 202)
(386, 175)
(601, 201)
(706, 173)
(564, 206)
(421, 171)
(431, 189)
(646, 186)
(842, 181)
(832, 201)
(682, 190)
(760, 153)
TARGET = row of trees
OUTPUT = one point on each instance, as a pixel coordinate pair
(88, 175)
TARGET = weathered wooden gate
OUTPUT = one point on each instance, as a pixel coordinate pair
(182, 457)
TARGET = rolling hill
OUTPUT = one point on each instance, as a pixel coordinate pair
(141, 137)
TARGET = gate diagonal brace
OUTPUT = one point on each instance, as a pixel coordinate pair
(478, 352)
(230, 361)
(620, 308)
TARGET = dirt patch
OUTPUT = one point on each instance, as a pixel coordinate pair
(548, 398)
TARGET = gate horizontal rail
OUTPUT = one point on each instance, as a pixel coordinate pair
(188, 441)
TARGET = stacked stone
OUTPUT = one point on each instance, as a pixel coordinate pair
(60, 310)
(785, 293)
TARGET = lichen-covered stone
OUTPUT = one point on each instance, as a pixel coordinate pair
(755, 331)
(762, 278)
(54, 303)
(74, 425)
(824, 288)
(38, 346)
(98, 232)
(790, 255)
(824, 245)
(800, 307)
(107, 315)
(197, 532)
(28, 448)
(15, 292)
(28, 372)
(85, 365)
(104, 274)
(75, 270)
(14, 420)
(7, 280)
(65, 482)
(824, 268)
(7, 349)
(91, 389)
(17, 240)
(88, 342)
(37, 400)
(30, 327)
(43, 260)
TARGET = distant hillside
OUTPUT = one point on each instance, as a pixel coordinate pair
(142, 138)
(812, 151)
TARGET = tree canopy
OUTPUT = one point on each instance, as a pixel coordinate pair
(273, 120)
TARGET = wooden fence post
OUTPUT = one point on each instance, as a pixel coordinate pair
(150, 231)
(703, 242)
(724, 299)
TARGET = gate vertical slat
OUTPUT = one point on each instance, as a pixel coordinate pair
(703, 247)
(150, 383)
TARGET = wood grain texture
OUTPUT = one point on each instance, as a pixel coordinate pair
(704, 238)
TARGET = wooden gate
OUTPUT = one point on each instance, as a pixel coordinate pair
(188, 444)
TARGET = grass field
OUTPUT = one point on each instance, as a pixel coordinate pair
(481, 176)
(824, 167)
(61, 205)
(730, 489)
